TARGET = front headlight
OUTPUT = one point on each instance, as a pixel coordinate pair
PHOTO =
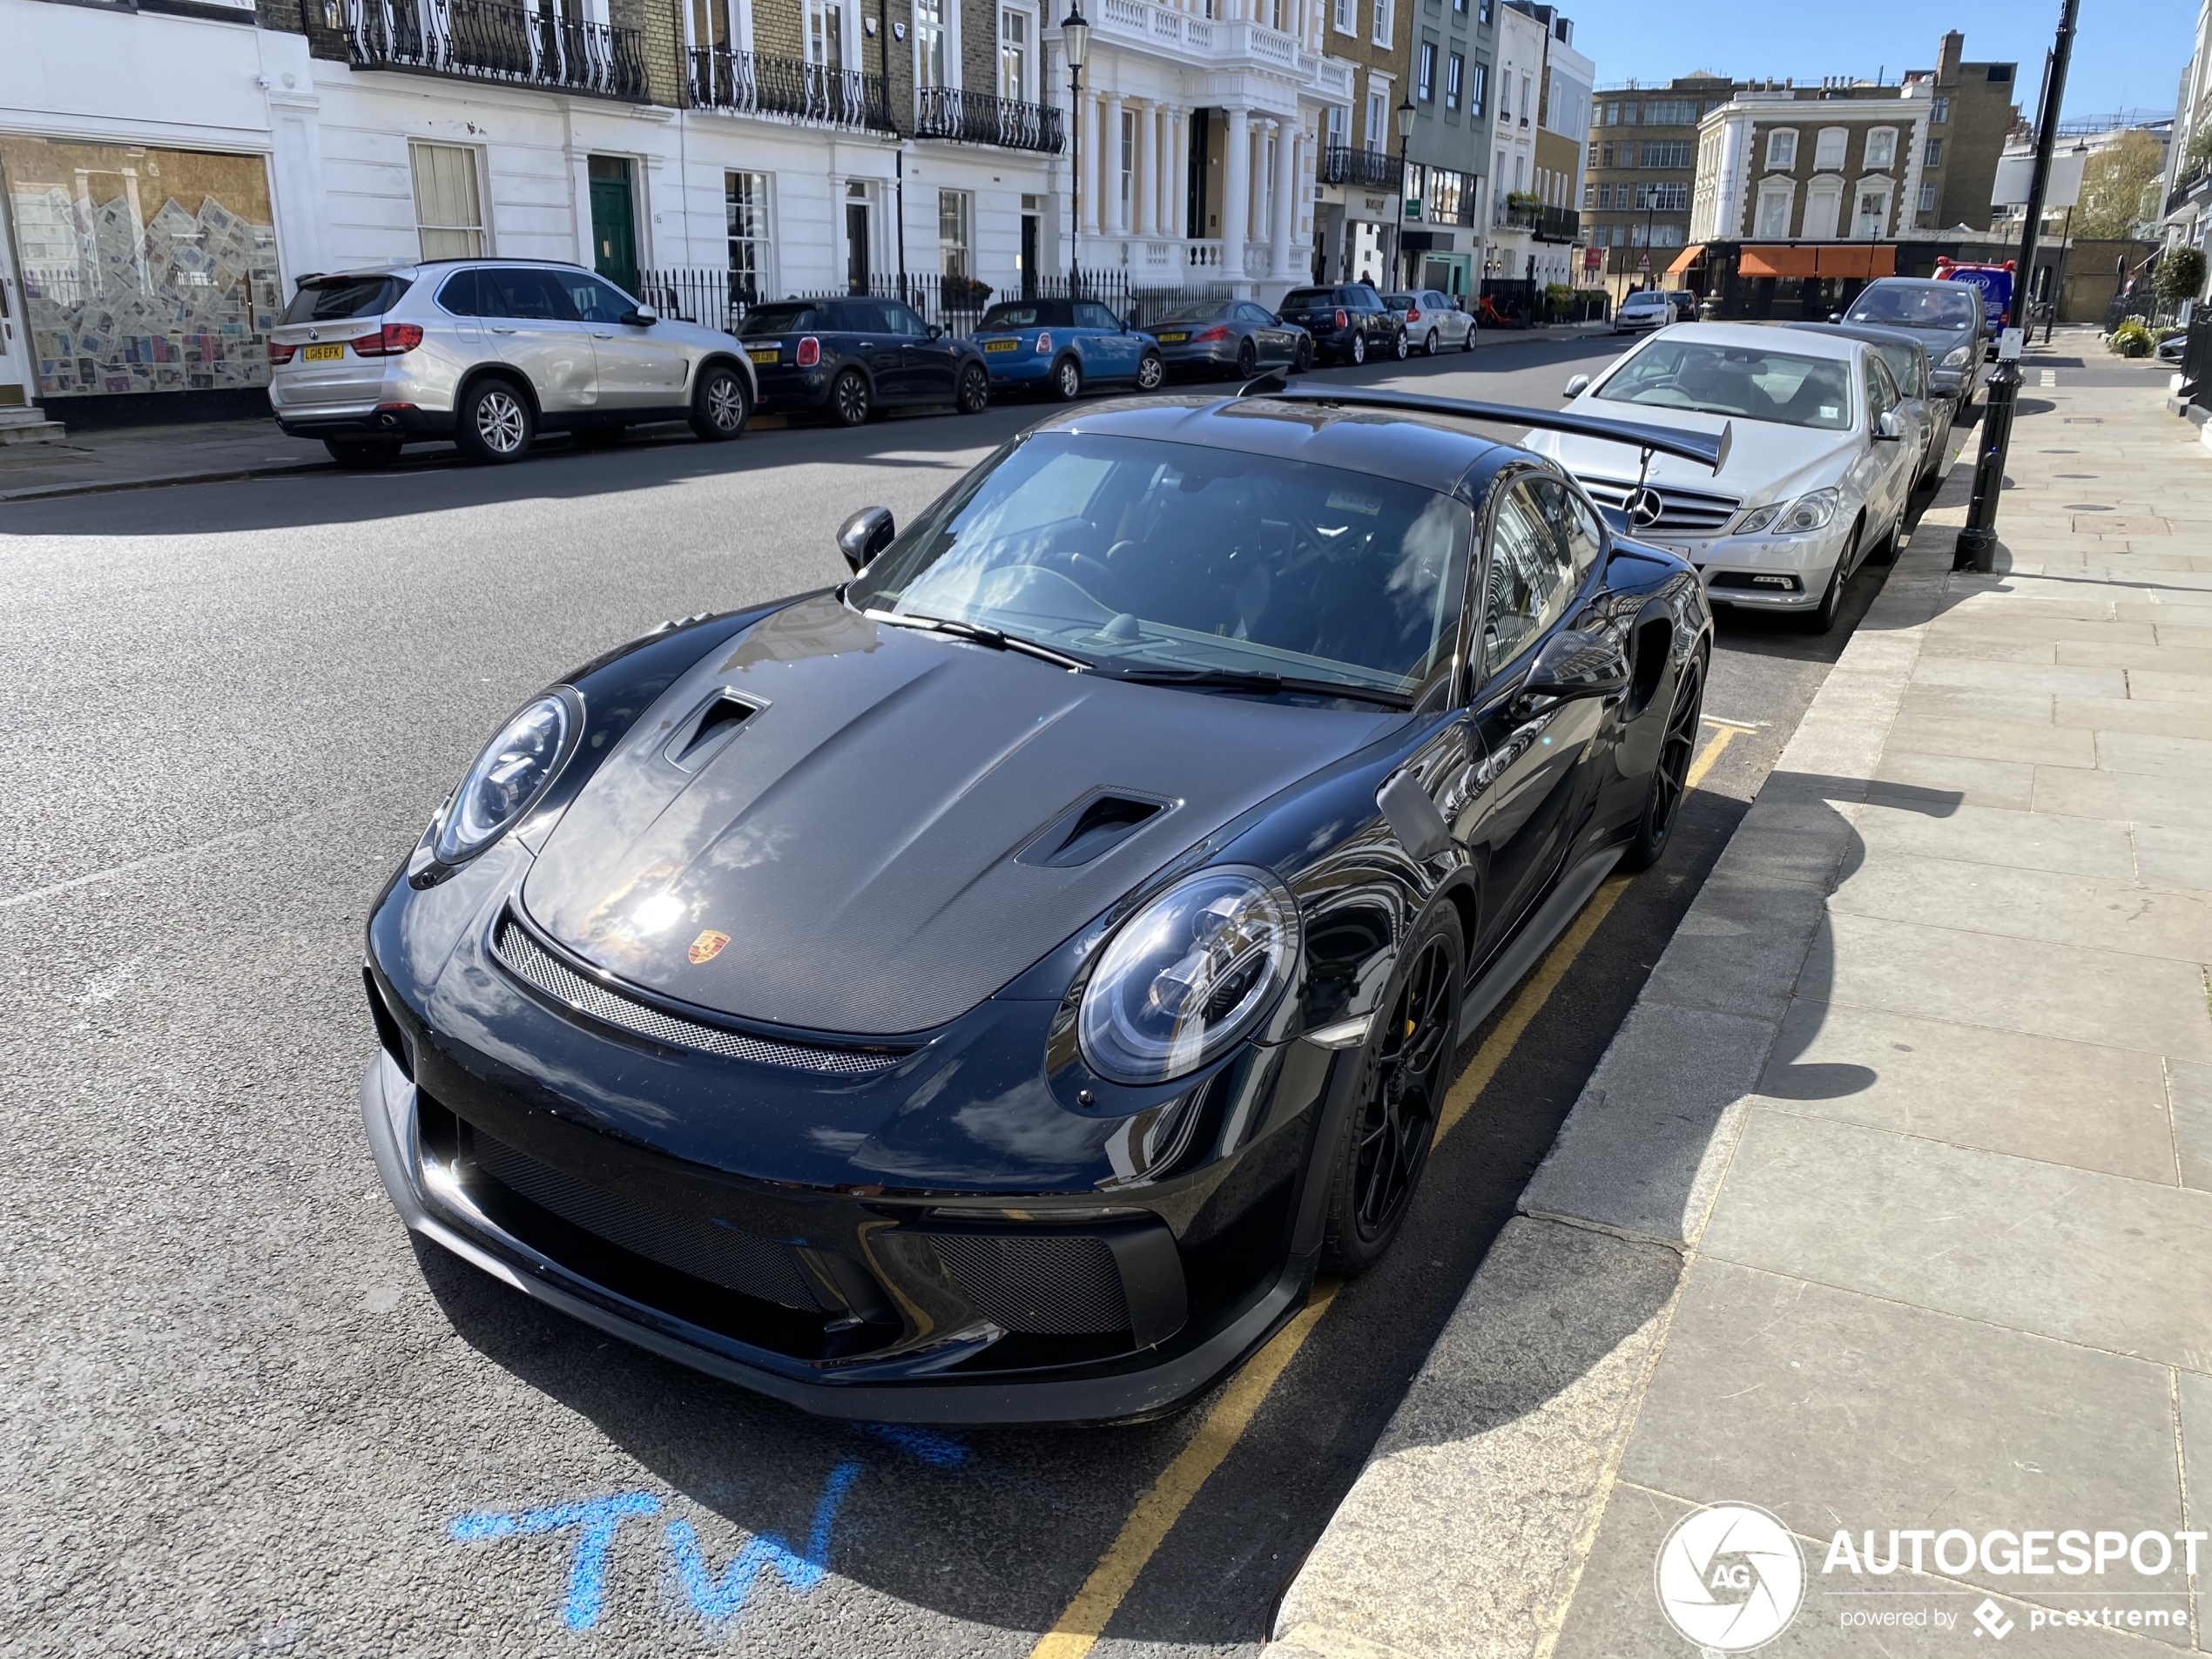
(1189, 975)
(1758, 518)
(1809, 512)
(508, 779)
(1957, 356)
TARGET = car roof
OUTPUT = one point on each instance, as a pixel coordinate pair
(1914, 282)
(1434, 452)
(401, 268)
(1759, 336)
(1873, 333)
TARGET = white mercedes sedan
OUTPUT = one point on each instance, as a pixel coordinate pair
(1817, 476)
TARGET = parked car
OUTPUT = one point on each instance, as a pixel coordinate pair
(1232, 337)
(1349, 323)
(2175, 347)
(488, 354)
(1059, 347)
(994, 989)
(852, 357)
(1643, 311)
(1685, 304)
(1818, 472)
(1925, 410)
(1947, 316)
(1433, 320)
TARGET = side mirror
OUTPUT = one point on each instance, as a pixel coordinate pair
(642, 317)
(1577, 664)
(1576, 387)
(865, 535)
(1887, 428)
(935, 333)
(1835, 316)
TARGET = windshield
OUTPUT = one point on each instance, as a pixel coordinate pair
(1032, 313)
(1398, 301)
(337, 299)
(1197, 311)
(1145, 556)
(1750, 381)
(1309, 299)
(1645, 298)
(1937, 306)
(778, 320)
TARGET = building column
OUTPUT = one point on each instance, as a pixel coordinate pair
(1141, 190)
(1089, 117)
(1114, 219)
(1236, 191)
(1163, 171)
(1256, 215)
(1286, 204)
(1179, 176)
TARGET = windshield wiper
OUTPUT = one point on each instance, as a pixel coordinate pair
(975, 633)
(1253, 679)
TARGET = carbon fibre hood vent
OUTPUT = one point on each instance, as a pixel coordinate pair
(1091, 829)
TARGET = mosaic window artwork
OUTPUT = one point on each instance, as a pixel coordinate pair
(142, 269)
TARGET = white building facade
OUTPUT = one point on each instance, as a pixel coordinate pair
(1773, 167)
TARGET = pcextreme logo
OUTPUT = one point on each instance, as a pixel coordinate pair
(1729, 1577)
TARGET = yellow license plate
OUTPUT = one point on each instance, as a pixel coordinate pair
(769, 357)
(322, 353)
(1173, 340)
(1001, 345)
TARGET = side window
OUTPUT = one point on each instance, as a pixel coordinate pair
(533, 296)
(1532, 574)
(903, 321)
(460, 297)
(1572, 521)
(597, 301)
(1881, 393)
(1091, 315)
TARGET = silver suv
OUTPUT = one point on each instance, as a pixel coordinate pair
(489, 353)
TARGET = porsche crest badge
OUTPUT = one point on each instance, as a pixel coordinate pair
(708, 946)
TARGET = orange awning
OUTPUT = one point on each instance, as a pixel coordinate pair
(1687, 257)
(1839, 259)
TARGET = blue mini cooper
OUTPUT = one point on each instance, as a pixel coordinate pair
(1061, 346)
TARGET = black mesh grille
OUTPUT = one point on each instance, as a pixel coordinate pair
(1039, 1283)
(529, 960)
(737, 1261)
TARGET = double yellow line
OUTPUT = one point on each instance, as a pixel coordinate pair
(1156, 1511)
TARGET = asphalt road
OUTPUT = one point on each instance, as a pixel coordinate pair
(247, 1416)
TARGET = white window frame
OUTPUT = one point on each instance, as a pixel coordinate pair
(1780, 148)
(737, 17)
(1125, 163)
(1343, 18)
(1928, 196)
(1424, 73)
(815, 32)
(1886, 137)
(1455, 80)
(1783, 192)
(474, 172)
(1385, 21)
(1478, 91)
(1873, 186)
(948, 27)
(1376, 134)
(762, 241)
(1825, 192)
(1026, 92)
(962, 206)
(1831, 147)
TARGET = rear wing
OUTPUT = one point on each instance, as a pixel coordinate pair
(1707, 449)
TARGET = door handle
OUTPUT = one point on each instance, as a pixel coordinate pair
(597, 335)
(496, 329)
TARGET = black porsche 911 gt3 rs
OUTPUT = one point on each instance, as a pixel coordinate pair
(992, 989)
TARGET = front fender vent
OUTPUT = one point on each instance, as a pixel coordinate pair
(530, 962)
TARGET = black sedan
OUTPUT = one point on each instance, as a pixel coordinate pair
(1349, 323)
(1213, 338)
(995, 988)
(850, 357)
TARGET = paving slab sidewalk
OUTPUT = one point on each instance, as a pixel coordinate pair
(1890, 1204)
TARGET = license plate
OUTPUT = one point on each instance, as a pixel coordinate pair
(1173, 340)
(322, 353)
(1001, 345)
(769, 357)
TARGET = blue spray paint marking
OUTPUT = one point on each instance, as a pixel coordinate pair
(944, 1450)
(597, 1520)
(724, 1597)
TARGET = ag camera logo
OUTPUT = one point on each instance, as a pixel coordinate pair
(1729, 1577)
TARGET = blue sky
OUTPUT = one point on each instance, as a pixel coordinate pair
(2124, 57)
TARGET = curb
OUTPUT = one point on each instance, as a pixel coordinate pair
(1499, 1463)
(102, 487)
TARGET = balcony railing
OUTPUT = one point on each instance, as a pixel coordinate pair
(1557, 225)
(1343, 164)
(481, 40)
(759, 83)
(976, 117)
(2187, 185)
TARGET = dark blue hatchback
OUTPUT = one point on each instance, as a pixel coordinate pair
(1061, 346)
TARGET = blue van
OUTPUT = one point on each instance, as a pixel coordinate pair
(1061, 346)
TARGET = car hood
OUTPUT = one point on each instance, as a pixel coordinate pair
(1766, 459)
(855, 839)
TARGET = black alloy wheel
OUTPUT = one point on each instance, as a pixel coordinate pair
(495, 423)
(366, 453)
(1067, 379)
(974, 389)
(1304, 361)
(850, 403)
(1150, 371)
(1407, 1068)
(1247, 361)
(720, 405)
(1670, 774)
(1358, 350)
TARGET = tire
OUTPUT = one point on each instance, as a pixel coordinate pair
(850, 403)
(1356, 353)
(1150, 371)
(1247, 361)
(975, 390)
(495, 423)
(1670, 774)
(1303, 360)
(1398, 348)
(721, 403)
(1823, 617)
(1887, 551)
(366, 454)
(1467, 339)
(1376, 1165)
(1428, 346)
(1067, 384)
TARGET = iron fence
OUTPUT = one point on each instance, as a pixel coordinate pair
(1345, 164)
(762, 83)
(976, 117)
(2196, 361)
(483, 40)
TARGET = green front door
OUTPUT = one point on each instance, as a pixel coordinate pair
(614, 227)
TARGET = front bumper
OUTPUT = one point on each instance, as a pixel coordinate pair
(1730, 566)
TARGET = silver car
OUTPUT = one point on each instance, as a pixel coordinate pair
(1644, 309)
(1433, 320)
(487, 354)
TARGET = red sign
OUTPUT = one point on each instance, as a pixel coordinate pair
(1644, 263)
(1592, 259)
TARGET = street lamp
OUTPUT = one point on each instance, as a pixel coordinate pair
(1976, 549)
(1075, 40)
(1405, 114)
